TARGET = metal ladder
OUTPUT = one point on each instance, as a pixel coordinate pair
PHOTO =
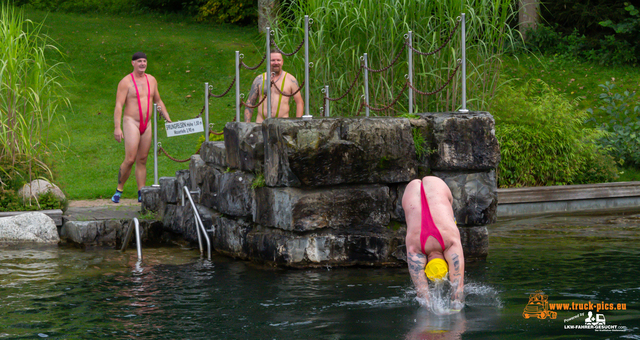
(127, 238)
(199, 225)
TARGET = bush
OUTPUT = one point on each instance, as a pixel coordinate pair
(621, 123)
(228, 11)
(605, 33)
(9, 201)
(544, 141)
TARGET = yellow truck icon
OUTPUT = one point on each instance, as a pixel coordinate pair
(538, 306)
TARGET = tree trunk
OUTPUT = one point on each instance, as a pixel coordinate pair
(528, 15)
(266, 13)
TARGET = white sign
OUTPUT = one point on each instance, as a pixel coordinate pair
(184, 127)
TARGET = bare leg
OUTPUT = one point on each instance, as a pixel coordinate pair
(141, 159)
(131, 146)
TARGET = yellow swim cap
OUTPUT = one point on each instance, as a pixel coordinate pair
(436, 269)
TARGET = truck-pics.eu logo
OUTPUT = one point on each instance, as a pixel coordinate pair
(539, 307)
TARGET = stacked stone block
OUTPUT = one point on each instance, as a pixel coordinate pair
(320, 192)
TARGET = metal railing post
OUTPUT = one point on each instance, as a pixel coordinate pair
(410, 66)
(237, 86)
(306, 68)
(366, 85)
(326, 100)
(206, 112)
(267, 85)
(138, 238)
(464, 65)
(155, 145)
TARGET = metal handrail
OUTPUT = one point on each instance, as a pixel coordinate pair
(127, 238)
(199, 224)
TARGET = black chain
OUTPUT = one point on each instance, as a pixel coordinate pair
(395, 60)
(287, 54)
(242, 102)
(350, 87)
(175, 159)
(441, 87)
(287, 95)
(378, 109)
(254, 67)
(225, 92)
(439, 48)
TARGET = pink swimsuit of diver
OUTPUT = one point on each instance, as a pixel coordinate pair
(427, 227)
(143, 123)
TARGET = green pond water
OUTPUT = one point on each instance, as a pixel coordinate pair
(63, 293)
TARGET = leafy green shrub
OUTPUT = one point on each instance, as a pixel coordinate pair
(9, 201)
(621, 123)
(544, 141)
(587, 35)
(228, 11)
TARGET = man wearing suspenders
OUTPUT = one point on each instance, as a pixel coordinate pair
(285, 82)
(137, 92)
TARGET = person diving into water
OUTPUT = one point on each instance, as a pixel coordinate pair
(135, 94)
(433, 241)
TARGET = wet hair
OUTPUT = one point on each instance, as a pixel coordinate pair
(139, 55)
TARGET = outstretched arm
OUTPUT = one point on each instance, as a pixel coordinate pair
(158, 100)
(252, 99)
(417, 262)
(455, 259)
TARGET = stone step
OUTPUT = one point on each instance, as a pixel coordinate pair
(55, 214)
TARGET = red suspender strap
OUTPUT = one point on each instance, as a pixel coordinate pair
(143, 123)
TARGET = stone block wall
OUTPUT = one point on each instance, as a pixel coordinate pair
(307, 193)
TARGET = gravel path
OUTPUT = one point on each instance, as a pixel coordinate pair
(102, 203)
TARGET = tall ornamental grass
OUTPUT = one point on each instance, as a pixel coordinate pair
(343, 31)
(30, 94)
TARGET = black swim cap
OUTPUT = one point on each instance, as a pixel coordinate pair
(139, 55)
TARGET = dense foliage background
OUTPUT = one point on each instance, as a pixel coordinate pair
(243, 12)
(564, 100)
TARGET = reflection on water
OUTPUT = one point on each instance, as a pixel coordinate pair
(66, 293)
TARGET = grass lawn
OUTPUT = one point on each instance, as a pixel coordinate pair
(182, 56)
(576, 79)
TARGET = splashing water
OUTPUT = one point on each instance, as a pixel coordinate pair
(476, 294)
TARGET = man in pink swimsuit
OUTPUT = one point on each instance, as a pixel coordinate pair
(433, 239)
(137, 92)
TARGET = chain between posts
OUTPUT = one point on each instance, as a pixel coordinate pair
(160, 148)
(459, 19)
(350, 87)
(287, 95)
(378, 109)
(395, 60)
(250, 67)
(287, 54)
(225, 92)
(242, 102)
(441, 87)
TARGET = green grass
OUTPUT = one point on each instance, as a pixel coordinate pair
(576, 79)
(182, 56)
